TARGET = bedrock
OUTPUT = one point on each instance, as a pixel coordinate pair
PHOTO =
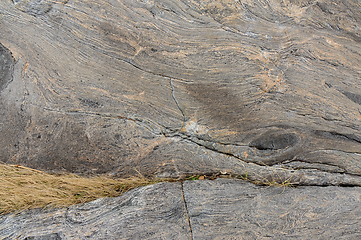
(219, 209)
(268, 89)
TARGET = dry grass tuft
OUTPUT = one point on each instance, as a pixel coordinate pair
(24, 188)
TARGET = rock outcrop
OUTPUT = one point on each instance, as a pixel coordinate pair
(220, 209)
(172, 88)
(267, 90)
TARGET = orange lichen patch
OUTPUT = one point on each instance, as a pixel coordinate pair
(272, 82)
(219, 133)
(295, 12)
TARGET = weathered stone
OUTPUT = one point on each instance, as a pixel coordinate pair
(234, 209)
(6, 66)
(264, 90)
(151, 212)
(173, 88)
(220, 209)
(35, 7)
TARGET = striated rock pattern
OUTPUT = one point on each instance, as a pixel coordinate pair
(268, 89)
(6, 66)
(152, 212)
(220, 209)
(231, 209)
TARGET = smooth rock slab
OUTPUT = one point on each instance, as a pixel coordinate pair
(152, 212)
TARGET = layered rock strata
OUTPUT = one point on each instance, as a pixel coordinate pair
(267, 89)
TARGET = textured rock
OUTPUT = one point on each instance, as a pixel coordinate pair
(6, 66)
(152, 212)
(220, 209)
(234, 209)
(268, 89)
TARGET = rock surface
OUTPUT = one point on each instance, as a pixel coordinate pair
(152, 212)
(234, 209)
(220, 209)
(268, 89)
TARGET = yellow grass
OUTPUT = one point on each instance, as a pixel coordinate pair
(24, 188)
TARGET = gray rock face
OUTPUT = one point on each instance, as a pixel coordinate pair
(220, 209)
(266, 90)
(173, 88)
(234, 209)
(152, 212)
(36, 7)
(6, 66)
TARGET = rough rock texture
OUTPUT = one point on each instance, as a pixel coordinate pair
(6, 66)
(265, 89)
(152, 212)
(234, 209)
(171, 88)
(270, 89)
(220, 209)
